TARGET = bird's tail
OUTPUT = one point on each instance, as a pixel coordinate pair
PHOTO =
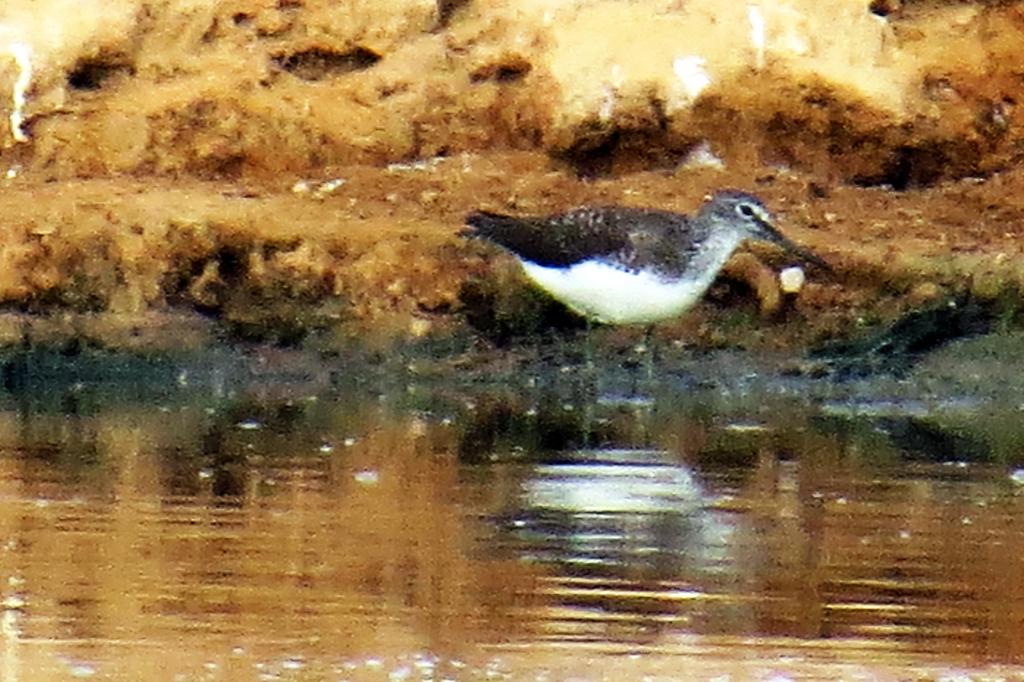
(486, 224)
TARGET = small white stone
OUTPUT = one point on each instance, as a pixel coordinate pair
(81, 671)
(328, 187)
(702, 156)
(366, 477)
(791, 280)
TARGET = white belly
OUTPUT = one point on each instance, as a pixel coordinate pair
(608, 294)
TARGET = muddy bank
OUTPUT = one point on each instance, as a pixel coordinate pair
(181, 173)
(372, 253)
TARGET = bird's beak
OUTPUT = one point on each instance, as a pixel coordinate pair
(768, 232)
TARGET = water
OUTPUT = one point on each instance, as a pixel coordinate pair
(272, 516)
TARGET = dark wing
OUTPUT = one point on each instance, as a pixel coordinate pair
(634, 235)
(553, 241)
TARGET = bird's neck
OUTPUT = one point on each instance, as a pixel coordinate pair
(712, 254)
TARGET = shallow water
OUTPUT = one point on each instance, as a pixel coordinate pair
(272, 516)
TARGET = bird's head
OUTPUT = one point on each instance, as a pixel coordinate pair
(745, 213)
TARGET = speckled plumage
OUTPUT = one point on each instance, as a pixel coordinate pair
(634, 237)
(631, 265)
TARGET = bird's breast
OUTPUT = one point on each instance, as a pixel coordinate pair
(609, 293)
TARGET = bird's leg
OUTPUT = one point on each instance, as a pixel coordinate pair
(644, 348)
(588, 346)
(649, 352)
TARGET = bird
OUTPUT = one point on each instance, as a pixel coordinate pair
(621, 265)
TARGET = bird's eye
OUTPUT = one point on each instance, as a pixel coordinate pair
(745, 210)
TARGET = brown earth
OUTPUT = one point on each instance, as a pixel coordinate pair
(181, 172)
(380, 255)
